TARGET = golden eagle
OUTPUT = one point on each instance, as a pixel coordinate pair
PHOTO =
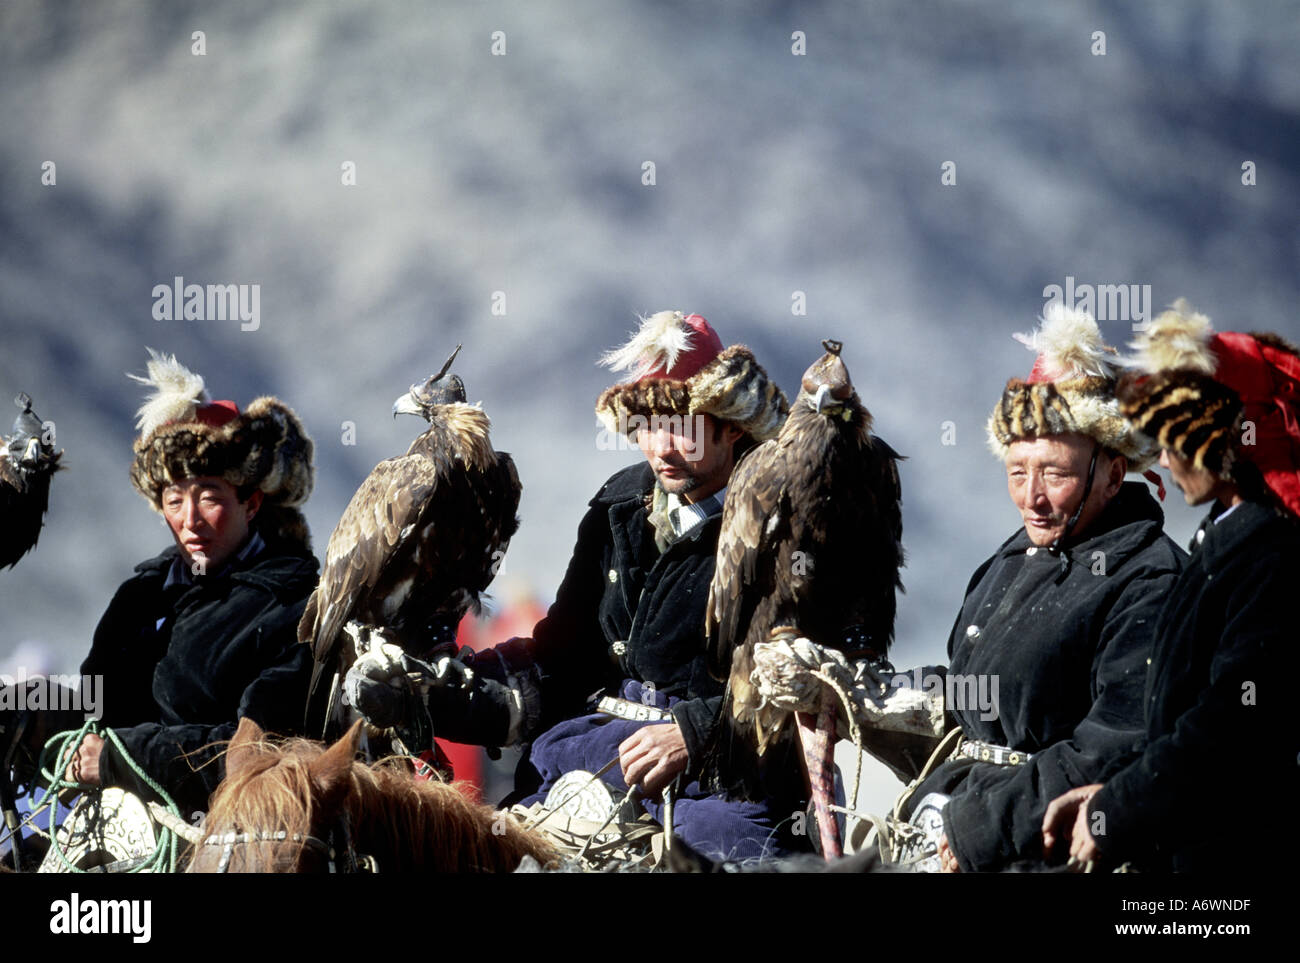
(420, 541)
(810, 546)
(27, 462)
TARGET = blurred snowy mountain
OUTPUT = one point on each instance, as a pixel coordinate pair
(515, 177)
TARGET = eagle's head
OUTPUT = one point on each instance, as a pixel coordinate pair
(826, 387)
(440, 389)
(27, 450)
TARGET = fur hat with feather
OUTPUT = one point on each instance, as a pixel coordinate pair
(1070, 390)
(1194, 391)
(185, 434)
(677, 366)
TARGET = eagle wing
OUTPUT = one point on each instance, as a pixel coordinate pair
(24, 500)
(754, 517)
(385, 510)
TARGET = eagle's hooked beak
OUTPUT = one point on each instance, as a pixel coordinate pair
(408, 404)
(32, 453)
(823, 399)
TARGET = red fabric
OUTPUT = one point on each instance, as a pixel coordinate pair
(1038, 374)
(465, 761)
(217, 413)
(705, 346)
(516, 619)
(1268, 381)
(1154, 478)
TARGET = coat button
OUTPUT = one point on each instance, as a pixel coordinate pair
(613, 576)
(972, 631)
(1031, 551)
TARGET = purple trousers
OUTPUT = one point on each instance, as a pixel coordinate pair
(710, 824)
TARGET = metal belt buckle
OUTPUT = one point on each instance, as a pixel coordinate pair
(997, 755)
(632, 711)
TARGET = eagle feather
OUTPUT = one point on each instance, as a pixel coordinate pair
(1069, 343)
(1177, 339)
(657, 344)
(177, 393)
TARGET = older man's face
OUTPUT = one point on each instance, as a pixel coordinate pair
(691, 455)
(1046, 478)
(208, 520)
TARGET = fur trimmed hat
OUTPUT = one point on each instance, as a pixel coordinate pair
(679, 367)
(1071, 390)
(1218, 398)
(185, 434)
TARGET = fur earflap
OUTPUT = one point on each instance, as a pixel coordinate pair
(661, 339)
(1177, 340)
(177, 393)
(1069, 344)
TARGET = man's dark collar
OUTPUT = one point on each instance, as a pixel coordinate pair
(1238, 523)
(180, 572)
(1132, 504)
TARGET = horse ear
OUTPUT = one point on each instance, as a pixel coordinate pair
(243, 747)
(332, 770)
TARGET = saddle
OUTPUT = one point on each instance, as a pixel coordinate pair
(110, 831)
(596, 827)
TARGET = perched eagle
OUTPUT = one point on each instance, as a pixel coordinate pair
(810, 546)
(27, 463)
(420, 541)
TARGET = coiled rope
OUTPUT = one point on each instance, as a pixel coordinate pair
(54, 761)
(789, 674)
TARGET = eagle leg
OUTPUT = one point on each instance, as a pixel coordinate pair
(819, 762)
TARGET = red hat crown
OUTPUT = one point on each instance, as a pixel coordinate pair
(1266, 376)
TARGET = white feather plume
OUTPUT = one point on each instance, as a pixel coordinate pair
(657, 344)
(177, 393)
(1070, 344)
(1178, 338)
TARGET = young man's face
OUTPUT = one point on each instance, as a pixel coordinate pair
(208, 520)
(691, 454)
(1046, 478)
(1197, 485)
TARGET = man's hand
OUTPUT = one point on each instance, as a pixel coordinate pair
(379, 686)
(84, 764)
(652, 756)
(947, 858)
(1068, 814)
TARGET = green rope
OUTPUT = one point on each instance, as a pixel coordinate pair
(60, 747)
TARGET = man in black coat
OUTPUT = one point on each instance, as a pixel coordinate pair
(1221, 745)
(205, 633)
(628, 619)
(1049, 652)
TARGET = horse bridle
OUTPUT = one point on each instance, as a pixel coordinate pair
(352, 862)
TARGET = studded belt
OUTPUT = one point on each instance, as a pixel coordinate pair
(635, 711)
(998, 755)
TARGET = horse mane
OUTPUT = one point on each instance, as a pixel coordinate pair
(406, 825)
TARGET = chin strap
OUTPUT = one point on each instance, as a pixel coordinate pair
(1056, 547)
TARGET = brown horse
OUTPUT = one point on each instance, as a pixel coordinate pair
(299, 807)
